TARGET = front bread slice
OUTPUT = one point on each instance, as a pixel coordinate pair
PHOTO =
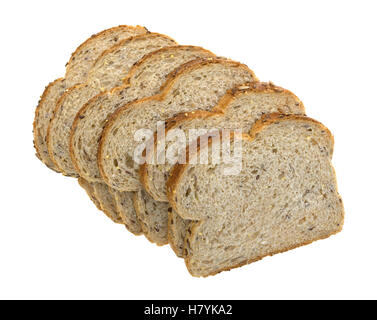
(284, 196)
(198, 84)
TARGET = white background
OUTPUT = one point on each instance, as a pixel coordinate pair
(55, 244)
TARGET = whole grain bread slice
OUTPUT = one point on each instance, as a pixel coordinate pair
(107, 72)
(144, 79)
(284, 196)
(196, 85)
(151, 215)
(77, 71)
(238, 109)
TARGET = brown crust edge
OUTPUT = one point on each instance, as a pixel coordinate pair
(171, 79)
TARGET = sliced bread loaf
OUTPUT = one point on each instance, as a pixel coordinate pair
(144, 79)
(285, 195)
(152, 217)
(107, 72)
(238, 109)
(77, 71)
(196, 85)
(126, 210)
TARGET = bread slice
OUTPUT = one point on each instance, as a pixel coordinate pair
(285, 195)
(126, 210)
(196, 85)
(108, 71)
(77, 71)
(238, 109)
(152, 217)
(88, 52)
(144, 79)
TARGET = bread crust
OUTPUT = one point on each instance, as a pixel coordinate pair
(219, 109)
(165, 89)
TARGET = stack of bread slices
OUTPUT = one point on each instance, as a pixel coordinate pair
(123, 82)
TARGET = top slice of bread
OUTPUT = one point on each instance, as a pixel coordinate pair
(237, 110)
(144, 79)
(198, 84)
(77, 71)
(109, 70)
(284, 196)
